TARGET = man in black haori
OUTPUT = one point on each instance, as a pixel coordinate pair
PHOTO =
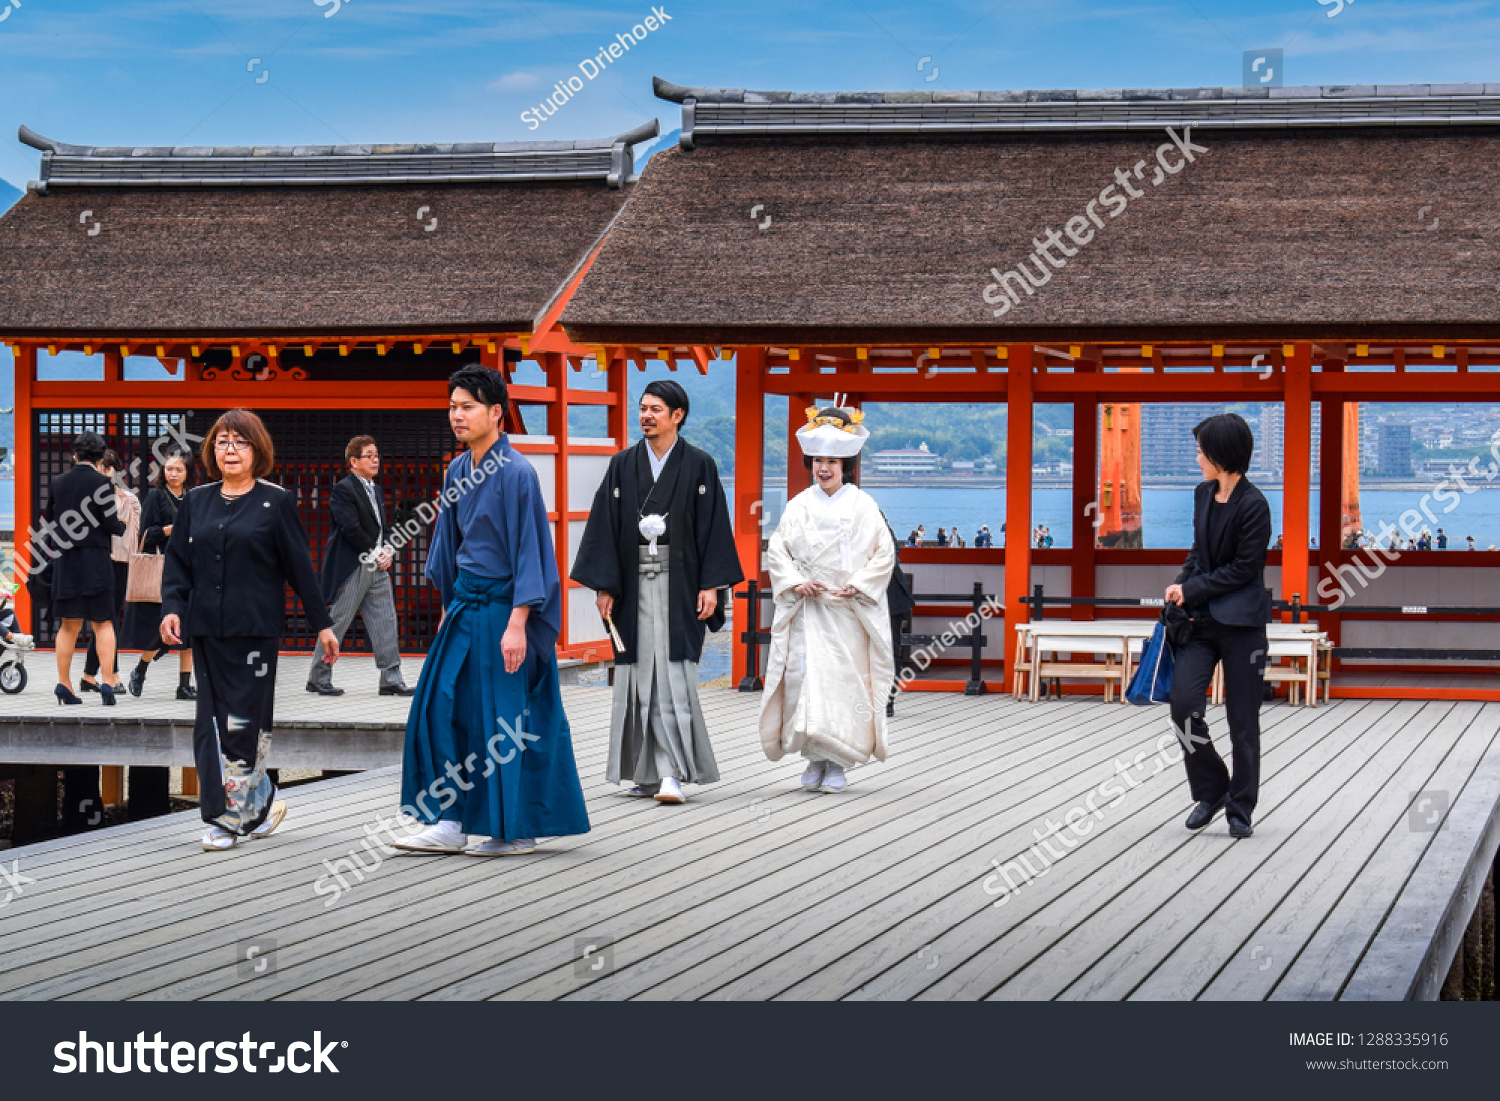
(658, 549)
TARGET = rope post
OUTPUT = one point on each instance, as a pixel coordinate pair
(751, 637)
(975, 687)
(1038, 595)
(1297, 607)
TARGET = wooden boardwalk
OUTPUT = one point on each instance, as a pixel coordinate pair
(1374, 816)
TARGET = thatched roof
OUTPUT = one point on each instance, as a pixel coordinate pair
(1374, 215)
(324, 240)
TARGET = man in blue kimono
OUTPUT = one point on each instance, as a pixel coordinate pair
(488, 749)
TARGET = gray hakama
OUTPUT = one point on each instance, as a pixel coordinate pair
(657, 726)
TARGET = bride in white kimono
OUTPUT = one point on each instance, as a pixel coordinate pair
(830, 560)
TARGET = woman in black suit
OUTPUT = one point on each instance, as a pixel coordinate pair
(235, 546)
(1223, 587)
(82, 505)
(142, 631)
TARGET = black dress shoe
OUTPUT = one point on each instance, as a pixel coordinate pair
(186, 692)
(138, 680)
(1204, 812)
(324, 689)
(88, 686)
(1239, 827)
(396, 690)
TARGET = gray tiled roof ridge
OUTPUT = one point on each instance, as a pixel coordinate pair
(677, 93)
(373, 149)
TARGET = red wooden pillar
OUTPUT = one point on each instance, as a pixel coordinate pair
(1331, 474)
(748, 506)
(1085, 493)
(25, 372)
(797, 479)
(1018, 430)
(1297, 480)
(555, 365)
(618, 415)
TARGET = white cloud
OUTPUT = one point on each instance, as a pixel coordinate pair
(515, 82)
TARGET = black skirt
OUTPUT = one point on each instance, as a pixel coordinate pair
(83, 571)
(95, 607)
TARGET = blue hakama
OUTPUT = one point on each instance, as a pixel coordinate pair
(488, 749)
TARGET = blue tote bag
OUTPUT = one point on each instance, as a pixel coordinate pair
(1152, 680)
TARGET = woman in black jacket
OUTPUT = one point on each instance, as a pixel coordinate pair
(81, 503)
(142, 630)
(235, 546)
(1223, 587)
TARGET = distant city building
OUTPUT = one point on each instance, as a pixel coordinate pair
(905, 461)
(1394, 450)
(1270, 440)
(1167, 437)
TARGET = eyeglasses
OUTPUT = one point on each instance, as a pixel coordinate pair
(232, 445)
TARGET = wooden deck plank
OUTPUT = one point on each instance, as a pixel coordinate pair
(987, 952)
(1409, 955)
(674, 879)
(1207, 864)
(756, 889)
(1219, 931)
(1125, 845)
(954, 846)
(458, 880)
(1285, 929)
(680, 935)
(1332, 954)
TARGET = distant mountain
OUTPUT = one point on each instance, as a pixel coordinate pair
(8, 196)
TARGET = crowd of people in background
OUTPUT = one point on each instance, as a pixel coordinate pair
(952, 537)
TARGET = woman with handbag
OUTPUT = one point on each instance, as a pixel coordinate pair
(1223, 587)
(128, 509)
(142, 631)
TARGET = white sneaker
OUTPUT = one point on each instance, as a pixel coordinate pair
(445, 837)
(834, 780)
(813, 776)
(671, 791)
(18, 641)
(218, 840)
(274, 819)
(495, 847)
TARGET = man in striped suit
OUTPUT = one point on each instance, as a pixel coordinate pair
(350, 585)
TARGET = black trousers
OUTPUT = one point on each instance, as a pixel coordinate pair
(236, 705)
(1242, 650)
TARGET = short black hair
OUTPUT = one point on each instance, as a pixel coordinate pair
(486, 385)
(88, 447)
(670, 392)
(1226, 441)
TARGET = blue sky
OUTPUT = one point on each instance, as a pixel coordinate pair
(167, 72)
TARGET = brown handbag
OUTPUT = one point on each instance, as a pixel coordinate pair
(143, 582)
